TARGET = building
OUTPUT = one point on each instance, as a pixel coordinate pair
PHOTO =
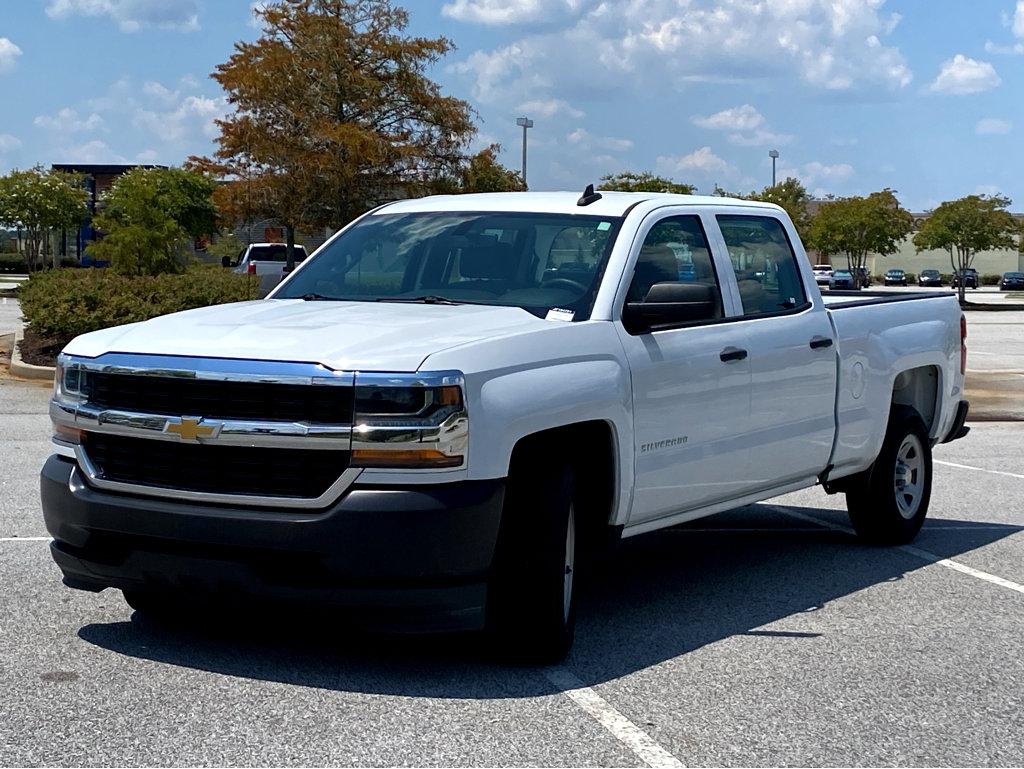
(907, 257)
(97, 178)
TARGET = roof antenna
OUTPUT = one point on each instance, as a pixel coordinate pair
(589, 196)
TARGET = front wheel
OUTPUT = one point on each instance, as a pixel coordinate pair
(531, 603)
(888, 504)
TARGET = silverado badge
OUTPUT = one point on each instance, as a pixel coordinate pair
(189, 429)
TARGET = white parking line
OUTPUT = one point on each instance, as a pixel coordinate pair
(597, 707)
(25, 539)
(917, 552)
(980, 469)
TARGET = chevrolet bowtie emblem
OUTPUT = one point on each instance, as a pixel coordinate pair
(191, 429)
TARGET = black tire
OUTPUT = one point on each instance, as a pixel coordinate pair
(880, 510)
(529, 619)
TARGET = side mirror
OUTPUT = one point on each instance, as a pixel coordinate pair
(672, 304)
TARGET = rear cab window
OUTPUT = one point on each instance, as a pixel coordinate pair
(767, 272)
(275, 253)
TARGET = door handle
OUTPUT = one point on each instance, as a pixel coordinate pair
(821, 342)
(729, 354)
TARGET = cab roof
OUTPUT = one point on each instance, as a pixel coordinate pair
(611, 203)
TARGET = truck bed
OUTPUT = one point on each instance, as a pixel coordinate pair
(837, 300)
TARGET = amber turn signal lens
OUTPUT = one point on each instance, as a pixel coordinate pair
(403, 458)
(67, 434)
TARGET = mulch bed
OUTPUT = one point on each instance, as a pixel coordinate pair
(39, 350)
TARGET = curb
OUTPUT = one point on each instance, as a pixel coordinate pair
(27, 370)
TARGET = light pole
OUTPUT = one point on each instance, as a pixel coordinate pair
(774, 155)
(525, 123)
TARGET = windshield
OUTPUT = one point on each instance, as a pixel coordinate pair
(535, 261)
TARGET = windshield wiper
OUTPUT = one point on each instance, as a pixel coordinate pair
(429, 299)
(319, 298)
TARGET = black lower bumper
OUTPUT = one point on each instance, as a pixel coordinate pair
(410, 557)
(959, 429)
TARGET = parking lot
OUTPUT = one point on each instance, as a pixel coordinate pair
(767, 635)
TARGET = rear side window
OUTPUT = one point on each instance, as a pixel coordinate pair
(764, 262)
(674, 251)
(275, 253)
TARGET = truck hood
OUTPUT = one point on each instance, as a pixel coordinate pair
(359, 336)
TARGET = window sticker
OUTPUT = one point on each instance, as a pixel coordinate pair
(557, 313)
(604, 226)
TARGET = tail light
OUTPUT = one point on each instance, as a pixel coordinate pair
(963, 344)
(252, 268)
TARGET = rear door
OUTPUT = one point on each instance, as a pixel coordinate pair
(691, 384)
(793, 357)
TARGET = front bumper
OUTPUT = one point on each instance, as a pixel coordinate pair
(405, 558)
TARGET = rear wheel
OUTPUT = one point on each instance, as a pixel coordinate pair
(888, 504)
(531, 603)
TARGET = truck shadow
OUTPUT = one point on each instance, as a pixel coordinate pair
(660, 596)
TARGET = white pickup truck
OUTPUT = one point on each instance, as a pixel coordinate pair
(457, 399)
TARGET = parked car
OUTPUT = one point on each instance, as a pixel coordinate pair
(460, 397)
(895, 278)
(969, 278)
(822, 273)
(865, 277)
(841, 280)
(1011, 281)
(929, 278)
(266, 258)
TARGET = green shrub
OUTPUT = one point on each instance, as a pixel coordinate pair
(990, 280)
(947, 278)
(911, 277)
(61, 304)
(13, 263)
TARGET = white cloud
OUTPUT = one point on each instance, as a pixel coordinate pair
(67, 120)
(501, 12)
(963, 75)
(748, 127)
(987, 189)
(1016, 48)
(744, 118)
(9, 54)
(549, 108)
(132, 15)
(9, 142)
(147, 157)
(702, 162)
(587, 141)
(176, 124)
(600, 46)
(94, 151)
(992, 125)
(815, 175)
(1018, 20)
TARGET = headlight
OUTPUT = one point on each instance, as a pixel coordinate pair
(409, 421)
(68, 381)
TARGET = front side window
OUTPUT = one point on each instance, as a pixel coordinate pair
(766, 267)
(535, 261)
(674, 251)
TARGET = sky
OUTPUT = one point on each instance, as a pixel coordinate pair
(922, 96)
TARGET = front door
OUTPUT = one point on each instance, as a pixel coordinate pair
(691, 385)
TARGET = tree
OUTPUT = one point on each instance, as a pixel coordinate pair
(480, 173)
(966, 226)
(790, 194)
(645, 181)
(334, 113)
(39, 201)
(858, 226)
(148, 216)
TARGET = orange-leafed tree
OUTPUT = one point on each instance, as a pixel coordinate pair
(333, 113)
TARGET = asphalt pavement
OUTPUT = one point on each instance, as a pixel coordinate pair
(766, 635)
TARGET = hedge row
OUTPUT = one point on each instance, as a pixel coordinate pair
(61, 304)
